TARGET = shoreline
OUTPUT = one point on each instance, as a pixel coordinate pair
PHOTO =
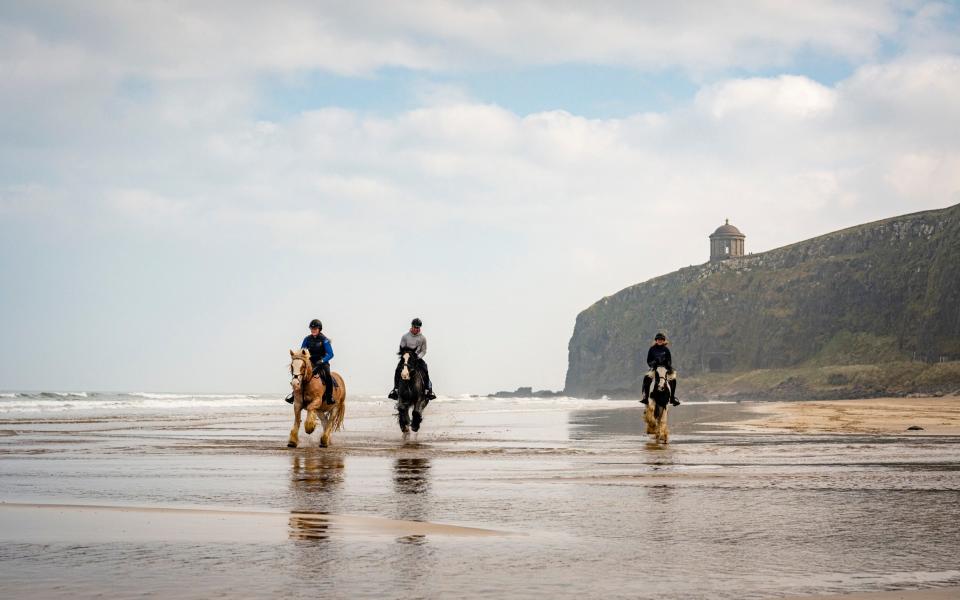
(935, 415)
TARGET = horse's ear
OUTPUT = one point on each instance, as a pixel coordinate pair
(303, 352)
(291, 353)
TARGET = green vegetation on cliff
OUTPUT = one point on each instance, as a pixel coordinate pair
(877, 293)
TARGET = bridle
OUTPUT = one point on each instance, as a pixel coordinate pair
(297, 381)
(408, 357)
(661, 375)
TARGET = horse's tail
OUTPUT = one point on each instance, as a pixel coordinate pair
(340, 410)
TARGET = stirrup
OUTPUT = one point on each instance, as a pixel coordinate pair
(430, 395)
(393, 395)
(289, 399)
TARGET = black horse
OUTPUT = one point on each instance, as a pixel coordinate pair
(411, 392)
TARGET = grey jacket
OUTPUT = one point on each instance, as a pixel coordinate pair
(417, 343)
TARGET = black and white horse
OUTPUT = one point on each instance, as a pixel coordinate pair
(658, 405)
(412, 392)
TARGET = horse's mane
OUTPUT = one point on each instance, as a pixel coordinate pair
(404, 349)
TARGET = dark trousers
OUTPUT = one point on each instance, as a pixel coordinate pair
(422, 365)
(647, 380)
(323, 371)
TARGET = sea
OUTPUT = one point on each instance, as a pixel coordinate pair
(161, 495)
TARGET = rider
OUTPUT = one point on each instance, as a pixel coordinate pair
(321, 353)
(413, 340)
(659, 356)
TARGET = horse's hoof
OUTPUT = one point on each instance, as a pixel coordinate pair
(291, 444)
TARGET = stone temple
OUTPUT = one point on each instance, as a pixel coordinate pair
(726, 242)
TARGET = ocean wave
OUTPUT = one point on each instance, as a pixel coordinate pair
(128, 405)
(166, 396)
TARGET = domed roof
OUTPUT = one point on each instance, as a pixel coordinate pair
(727, 229)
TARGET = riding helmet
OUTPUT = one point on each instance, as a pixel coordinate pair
(660, 336)
(316, 323)
(416, 323)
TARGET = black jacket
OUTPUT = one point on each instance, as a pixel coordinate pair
(659, 356)
(320, 349)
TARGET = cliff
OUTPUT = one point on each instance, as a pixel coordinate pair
(879, 292)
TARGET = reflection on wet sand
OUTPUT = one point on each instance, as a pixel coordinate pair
(413, 560)
(410, 475)
(316, 477)
(309, 527)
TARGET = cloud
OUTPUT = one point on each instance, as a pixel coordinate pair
(791, 96)
(186, 40)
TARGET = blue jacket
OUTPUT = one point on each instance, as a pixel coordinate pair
(320, 349)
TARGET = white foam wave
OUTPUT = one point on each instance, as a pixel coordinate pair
(126, 403)
(165, 396)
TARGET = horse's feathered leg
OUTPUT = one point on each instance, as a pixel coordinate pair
(420, 403)
(325, 421)
(403, 410)
(295, 431)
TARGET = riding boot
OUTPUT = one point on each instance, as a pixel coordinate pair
(673, 393)
(646, 390)
(395, 393)
(425, 371)
(289, 398)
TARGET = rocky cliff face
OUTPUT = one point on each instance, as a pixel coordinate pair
(879, 292)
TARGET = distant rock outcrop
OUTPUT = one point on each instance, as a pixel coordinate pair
(884, 291)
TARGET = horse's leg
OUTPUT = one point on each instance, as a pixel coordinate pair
(663, 424)
(311, 422)
(418, 413)
(295, 432)
(648, 416)
(403, 415)
(325, 422)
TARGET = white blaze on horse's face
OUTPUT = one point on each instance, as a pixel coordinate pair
(405, 373)
(296, 367)
(661, 378)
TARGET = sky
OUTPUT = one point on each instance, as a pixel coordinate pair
(184, 185)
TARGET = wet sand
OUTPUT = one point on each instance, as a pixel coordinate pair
(936, 416)
(949, 593)
(78, 523)
(508, 499)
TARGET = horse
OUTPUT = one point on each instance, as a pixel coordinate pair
(411, 392)
(659, 403)
(308, 396)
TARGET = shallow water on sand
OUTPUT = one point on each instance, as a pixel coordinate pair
(567, 498)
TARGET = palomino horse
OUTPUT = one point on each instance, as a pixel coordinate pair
(658, 405)
(411, 393)
(308, 396)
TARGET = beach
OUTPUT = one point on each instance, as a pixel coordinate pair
(196, 496)
(927, 415)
